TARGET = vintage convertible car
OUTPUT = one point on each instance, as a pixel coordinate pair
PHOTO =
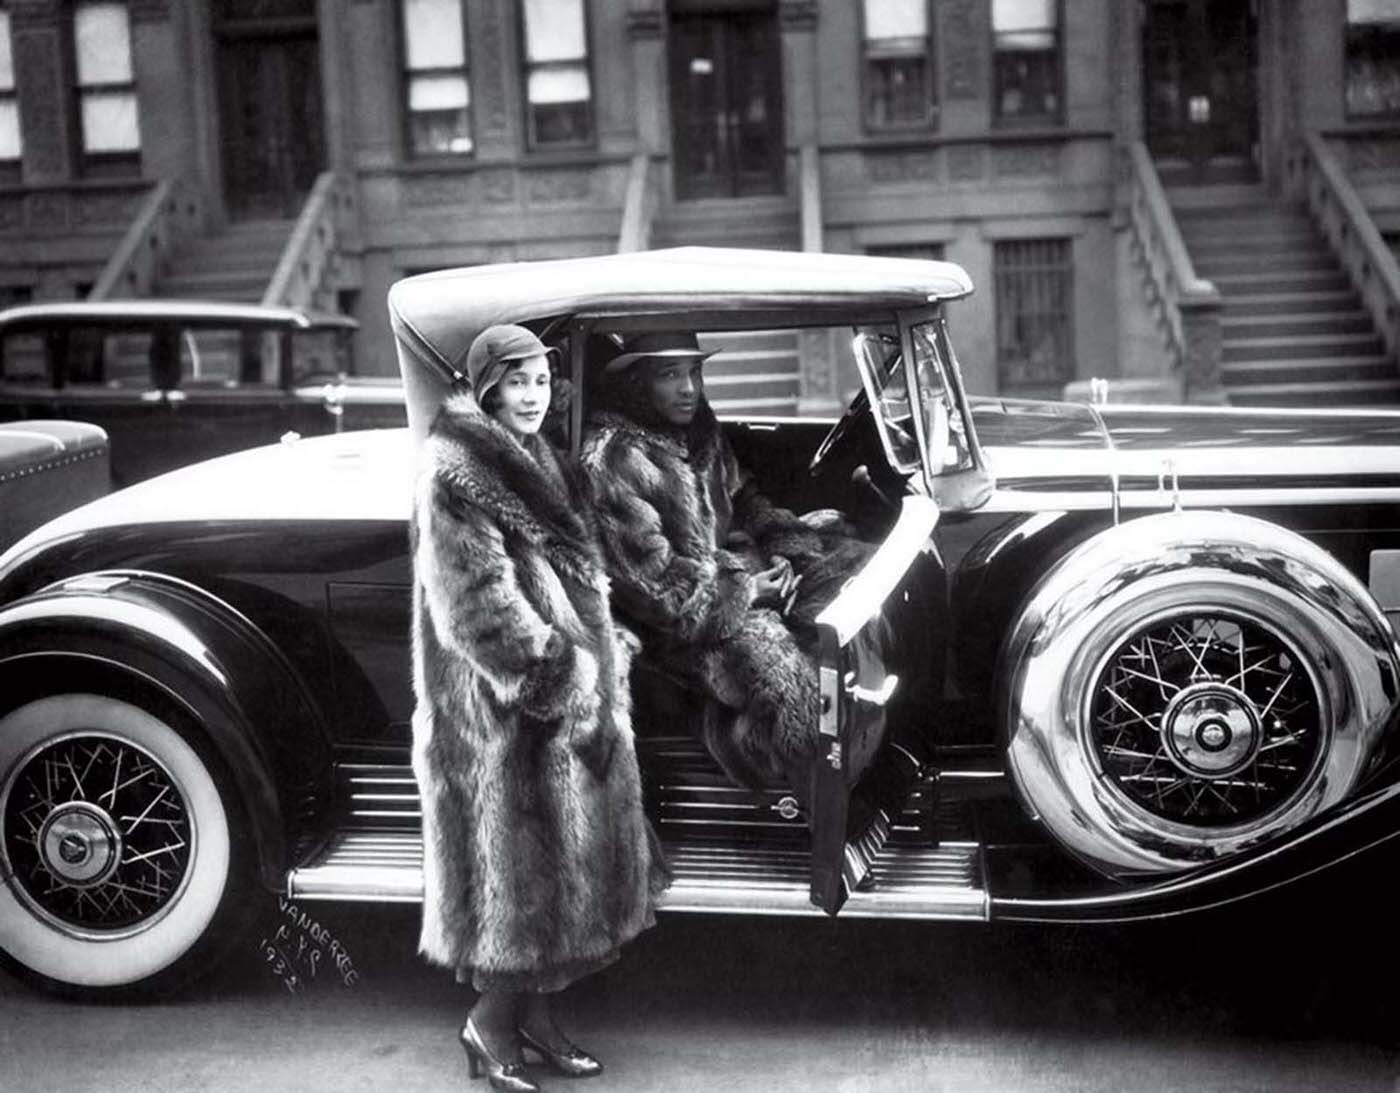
(1106, 663)
(176, 381)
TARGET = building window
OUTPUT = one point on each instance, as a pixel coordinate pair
(899, 86)
(1026, 60)
(1373, 58)
(1034, 317)
(558, 91)
(436, 84)
(928, 252)
(107, 115)
(11, 144)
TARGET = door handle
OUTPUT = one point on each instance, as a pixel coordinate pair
(878, 697)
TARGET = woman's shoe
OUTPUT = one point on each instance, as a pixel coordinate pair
(573, 1062)
(507, 1077)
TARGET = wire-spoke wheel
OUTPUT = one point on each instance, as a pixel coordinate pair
(114, 841)
(1206, 718)
(1189, 686)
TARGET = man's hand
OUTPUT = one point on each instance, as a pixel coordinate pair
(772, 585)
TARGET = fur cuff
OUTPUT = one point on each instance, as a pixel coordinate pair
(732, 602)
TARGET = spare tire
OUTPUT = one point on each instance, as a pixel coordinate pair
(1188, 685)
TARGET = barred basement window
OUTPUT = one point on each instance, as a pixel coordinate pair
(1034, 317)
(1026, 60)
(558, 91)
(898, 69)
(437, 90)
(106, 87)
(11, 143)
(1373, 58)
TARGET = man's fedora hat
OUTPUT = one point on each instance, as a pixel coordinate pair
(662, 344)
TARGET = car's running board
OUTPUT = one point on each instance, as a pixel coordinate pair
(903, 882)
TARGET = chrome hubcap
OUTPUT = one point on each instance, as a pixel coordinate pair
(79, 844)
(1206, 719)
(1211, 730)
(95, 834)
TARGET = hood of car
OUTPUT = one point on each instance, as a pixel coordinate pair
(1078, 454)
(359, 475)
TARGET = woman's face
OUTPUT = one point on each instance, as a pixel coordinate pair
(523, 395)
(676, 386)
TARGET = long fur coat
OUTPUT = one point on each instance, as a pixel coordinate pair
(682, 531)
(537, 856)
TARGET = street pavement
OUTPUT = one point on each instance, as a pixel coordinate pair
(1274, 1002)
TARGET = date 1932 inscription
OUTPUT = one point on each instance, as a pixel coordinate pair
(299, 950)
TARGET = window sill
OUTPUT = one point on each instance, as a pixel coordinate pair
(910, 142)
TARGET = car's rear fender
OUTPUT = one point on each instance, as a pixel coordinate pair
(170, 640)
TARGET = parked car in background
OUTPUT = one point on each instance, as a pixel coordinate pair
(1107, 663)
(176, 381)
(47, 468)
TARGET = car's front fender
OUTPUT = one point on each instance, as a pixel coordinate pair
(157, 632)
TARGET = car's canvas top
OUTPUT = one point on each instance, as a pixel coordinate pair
(435, 316)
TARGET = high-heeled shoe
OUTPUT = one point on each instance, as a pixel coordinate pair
(504, 1076)
(573, 1062)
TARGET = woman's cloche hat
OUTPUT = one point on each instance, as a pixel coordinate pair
(494, 350)
(661, 344)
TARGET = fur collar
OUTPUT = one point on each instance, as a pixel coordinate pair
(518, 481)
(697, 446)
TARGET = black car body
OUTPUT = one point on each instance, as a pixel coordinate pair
(176, 381)
(1107, 663)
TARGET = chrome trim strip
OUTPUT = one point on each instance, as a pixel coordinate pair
(1011, 500)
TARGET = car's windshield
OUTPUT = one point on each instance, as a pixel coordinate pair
(882, 371)
(944, 428)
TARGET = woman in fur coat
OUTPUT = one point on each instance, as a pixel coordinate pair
(538, 861)
(705, 566)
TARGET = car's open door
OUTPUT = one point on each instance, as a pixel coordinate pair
(858, 683)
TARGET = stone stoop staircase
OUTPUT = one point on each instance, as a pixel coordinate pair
(754, 372)
(1294, 331)
(235, 264)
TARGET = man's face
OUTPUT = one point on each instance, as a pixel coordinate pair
(676, 386)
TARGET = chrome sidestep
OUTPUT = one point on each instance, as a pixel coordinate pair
(942, 882)
(903, 876)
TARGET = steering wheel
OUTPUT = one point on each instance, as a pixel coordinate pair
(858, 406)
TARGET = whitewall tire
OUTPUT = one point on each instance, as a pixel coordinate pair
(115, 841)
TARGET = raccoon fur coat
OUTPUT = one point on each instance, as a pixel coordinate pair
(538, 862)
(683, 531)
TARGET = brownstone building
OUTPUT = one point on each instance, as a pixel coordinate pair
(1196, 194)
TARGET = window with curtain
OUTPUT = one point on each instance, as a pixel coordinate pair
(437, 87)
(106, 83)
(11, 144)
(1034, 288)
(1373, 58)
(898, 69)
(1026, 60)
(558, 91)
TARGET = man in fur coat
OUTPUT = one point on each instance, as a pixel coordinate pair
(538, 860)
(702, 563)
